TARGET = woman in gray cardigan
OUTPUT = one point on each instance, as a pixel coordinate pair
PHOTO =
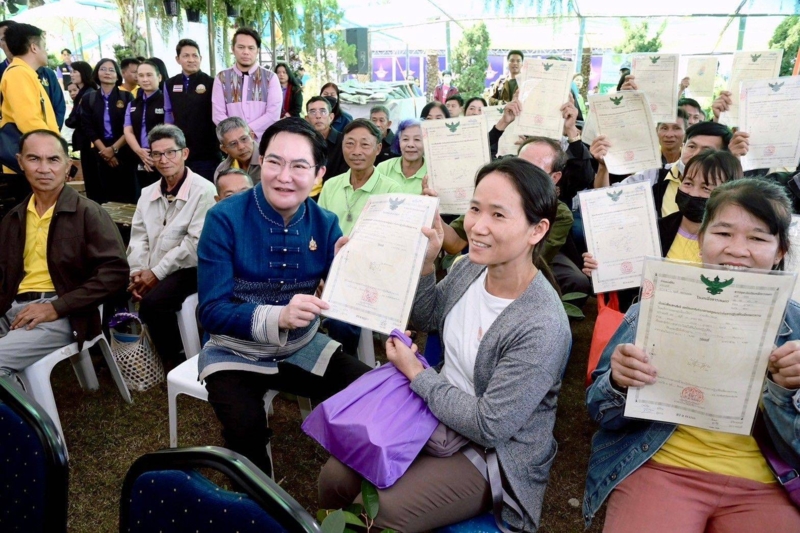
(506, 340)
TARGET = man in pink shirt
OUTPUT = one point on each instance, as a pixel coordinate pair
(247, 90)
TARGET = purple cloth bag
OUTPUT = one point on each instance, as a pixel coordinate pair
(377, 426)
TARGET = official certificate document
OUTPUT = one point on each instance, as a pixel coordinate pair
(702, 71)
(657, 77)
(621, 229)
(770, 112)
(625, 119)
(455, 149)
(749, 66)
(492, 114)
(791, 262)
(709, 332)
(373, 279)
(544, 86)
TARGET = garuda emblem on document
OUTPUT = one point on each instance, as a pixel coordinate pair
(453, 126)
(547, 66)
(394, 203)
(776, 86)
(654, 59)
(617, 100)
(614, 195)
(715, 286)
(755, 57)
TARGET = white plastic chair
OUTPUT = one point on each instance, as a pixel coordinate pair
(36, 377)
(183, 380)
(187, 325)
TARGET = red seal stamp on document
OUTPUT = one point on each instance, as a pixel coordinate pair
(629, 155)
(653, 107)
(769, 150)
(693, 395)
(648, 289)
(370, 296)
(626, 267)
(538, 120)
(461, 194)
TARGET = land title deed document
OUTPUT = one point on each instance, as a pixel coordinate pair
(625, 119)
(749, 66)
(544, 87)
(621, 229)
(455, 149)
(373, 279)
(770, 112)
(791, 263)
(492, 114)
(701, 72)
(657, 76)
(709, 332)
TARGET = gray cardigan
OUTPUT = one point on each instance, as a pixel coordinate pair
(517, 378)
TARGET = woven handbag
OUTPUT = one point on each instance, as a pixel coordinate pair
(135, 352)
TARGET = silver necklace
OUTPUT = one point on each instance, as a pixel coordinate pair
(263, 214)
(349, 216)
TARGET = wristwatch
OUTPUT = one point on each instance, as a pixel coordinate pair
(574, 139)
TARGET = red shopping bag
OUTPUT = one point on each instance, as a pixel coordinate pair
(609, 318)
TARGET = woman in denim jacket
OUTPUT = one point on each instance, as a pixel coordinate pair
(670, 478)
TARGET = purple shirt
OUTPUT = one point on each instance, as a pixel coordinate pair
(168, 118)
(107, 134)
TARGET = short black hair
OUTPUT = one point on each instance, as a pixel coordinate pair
(186, 42)
(85, 70)
(691, 102)
(7, 23)
(20, 37)
(430, 105)
(366, 124)
(515, 53)
(297, 126)
(250, 32)
(96, 71)
(475, 99)
(128, 61)
(47, 133)
(380, 109)
(713, 129)
(458, 98)
(716, 167)
(67, 50)
(319, 99)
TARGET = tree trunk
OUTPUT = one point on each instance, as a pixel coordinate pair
(431, 75)
(324, 46)
(586, 72)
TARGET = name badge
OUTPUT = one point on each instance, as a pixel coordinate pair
(159, 111)
(177, 88)
(133, 108)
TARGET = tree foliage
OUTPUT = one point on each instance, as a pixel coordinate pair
(320, 42)
(551, 8)
(637, 38)
(470, 61)
(787, 36)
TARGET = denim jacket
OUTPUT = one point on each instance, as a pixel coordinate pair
(622, 445)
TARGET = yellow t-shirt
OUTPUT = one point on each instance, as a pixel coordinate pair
(684, 248)
(701, 449)
(37, 275)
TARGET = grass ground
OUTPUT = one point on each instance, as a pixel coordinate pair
(105, 435)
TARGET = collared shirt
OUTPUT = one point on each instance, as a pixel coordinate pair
(171, 193)
(25, 100)
(253, 170)
(37, 274)
(259, 110)
(668, 203)
(339, 197)
(168, 118)
(164, 235)
(393, 170)
(107, 132)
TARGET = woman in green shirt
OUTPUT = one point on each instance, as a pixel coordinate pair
(408, 169)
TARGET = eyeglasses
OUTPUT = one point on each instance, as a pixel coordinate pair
(170, 154)
(318, 112)
(243, 140)
(296, 168)
(107, 70)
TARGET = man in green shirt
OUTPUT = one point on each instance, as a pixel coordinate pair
(346, 194)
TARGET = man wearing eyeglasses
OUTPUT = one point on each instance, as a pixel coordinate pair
(237, 141)
(165, 231)
(318, 114)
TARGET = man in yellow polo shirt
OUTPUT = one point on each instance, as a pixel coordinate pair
(347, 194)
(62, 257)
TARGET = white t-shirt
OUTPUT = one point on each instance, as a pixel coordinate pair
(464, 327)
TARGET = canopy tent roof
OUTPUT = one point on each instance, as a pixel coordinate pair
(692, 27)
